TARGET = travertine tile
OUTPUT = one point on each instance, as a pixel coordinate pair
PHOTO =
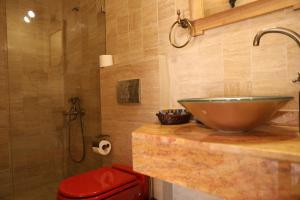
(238, 88)
(166, 9)
(220, 62)
(184, 7)
(135, 19)
(269, 61)
(5, 165)
(123, 24)
(120, 120)
(82, 79)
(269, 20)
(149, 14)
(237, 52)
(123, 43)
(203, 65)
(4, 157)
(163, 35)
(134, 4)
(37, 84)
(223, 53)
(209, 161)
(150, 37)
(5, 184)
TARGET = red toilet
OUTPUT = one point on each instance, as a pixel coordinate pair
(110, 183)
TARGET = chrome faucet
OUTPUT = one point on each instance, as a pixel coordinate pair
(292, 34)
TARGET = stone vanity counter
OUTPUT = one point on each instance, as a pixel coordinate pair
(261, 164)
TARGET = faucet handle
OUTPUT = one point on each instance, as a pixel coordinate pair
(297, 80)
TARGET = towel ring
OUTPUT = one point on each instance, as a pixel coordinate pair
(185, 24)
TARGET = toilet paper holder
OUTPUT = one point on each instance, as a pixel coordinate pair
(101, 145)
(98, 138)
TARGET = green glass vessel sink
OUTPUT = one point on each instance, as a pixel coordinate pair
(234, 114)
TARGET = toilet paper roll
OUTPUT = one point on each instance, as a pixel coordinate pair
(105, 60)
(104, 148)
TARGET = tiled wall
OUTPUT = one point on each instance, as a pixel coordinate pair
(36, 98)
(5, 167)
(30, 126)
(36, 80)
(85, 41)
(119, 120)
(222, 62)
(132, 37)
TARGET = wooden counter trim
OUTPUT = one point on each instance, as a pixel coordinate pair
(240, 13)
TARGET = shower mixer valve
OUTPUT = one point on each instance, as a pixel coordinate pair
(75, 109)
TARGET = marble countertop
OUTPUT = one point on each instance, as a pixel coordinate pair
(211, 161)
(269, 141)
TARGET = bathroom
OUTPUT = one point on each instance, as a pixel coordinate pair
(49, 54)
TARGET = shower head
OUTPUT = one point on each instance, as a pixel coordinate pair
(74, 100)
(76, 8)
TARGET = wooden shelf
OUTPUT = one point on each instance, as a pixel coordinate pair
(241, 13)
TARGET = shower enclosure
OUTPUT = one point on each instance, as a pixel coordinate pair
(48, 53)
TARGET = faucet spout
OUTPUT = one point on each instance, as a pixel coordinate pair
(292, 34)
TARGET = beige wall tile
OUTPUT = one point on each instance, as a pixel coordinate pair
(222, 62)
(166, 9)
(184, 6)
(150, 37)
(5, 184)
(4, 157)
(123, 24)
(82, 77)
(149, 14)
(135, 20)
(120, 120)
(238, 88)
(269, 61)
(5, 165)
(134, 4)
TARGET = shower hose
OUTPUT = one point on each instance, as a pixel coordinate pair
(74, 112)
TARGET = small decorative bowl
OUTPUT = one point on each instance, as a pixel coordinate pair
(173, 116)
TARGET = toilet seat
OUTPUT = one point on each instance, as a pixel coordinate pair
(96, 182)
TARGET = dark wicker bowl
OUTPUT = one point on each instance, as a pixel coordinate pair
(173, 116)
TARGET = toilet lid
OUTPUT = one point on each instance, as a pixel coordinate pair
(94, 182)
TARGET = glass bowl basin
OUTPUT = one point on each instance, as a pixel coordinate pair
(234, 114)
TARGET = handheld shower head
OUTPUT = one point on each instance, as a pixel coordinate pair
(76, 8)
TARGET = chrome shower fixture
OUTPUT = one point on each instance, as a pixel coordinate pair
(75, 112)
(76, 8)
(75, 109)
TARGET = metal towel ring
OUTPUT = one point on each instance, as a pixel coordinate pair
(183, 23)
